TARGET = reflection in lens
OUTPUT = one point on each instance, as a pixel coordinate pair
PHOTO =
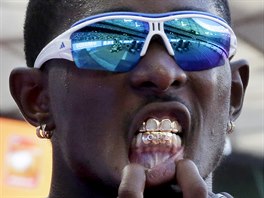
(112, 45)
(198, 43)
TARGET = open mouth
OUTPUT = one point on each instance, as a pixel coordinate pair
(159, 136)
(156, 142)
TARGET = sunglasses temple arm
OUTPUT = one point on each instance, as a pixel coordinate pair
(233, 45)
(57, 49)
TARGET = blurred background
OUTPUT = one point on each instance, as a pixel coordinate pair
(25, 161)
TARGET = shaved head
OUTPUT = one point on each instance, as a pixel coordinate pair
(47, 19)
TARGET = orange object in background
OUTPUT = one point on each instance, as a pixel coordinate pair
(25, 161)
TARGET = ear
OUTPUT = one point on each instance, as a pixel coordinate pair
(30, 91)
(240, 76)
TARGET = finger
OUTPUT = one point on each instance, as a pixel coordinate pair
(133, 182)
(160, 174)
(189, 180)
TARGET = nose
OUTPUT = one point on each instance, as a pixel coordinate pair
(157, 71)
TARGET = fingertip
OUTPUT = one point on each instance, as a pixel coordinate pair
(189, 180)
(133, 182)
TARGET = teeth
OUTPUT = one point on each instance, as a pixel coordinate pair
(157, 141)
(138, 139)
(174, 140)
(143, 127)
(165, 125)
(179, 140)
(176, 127)
(152, 148)
(155, 138)
(152, 125)
(146, 138)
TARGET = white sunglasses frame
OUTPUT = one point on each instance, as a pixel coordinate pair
(60, 47)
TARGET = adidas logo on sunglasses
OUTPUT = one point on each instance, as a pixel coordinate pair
(62, 45)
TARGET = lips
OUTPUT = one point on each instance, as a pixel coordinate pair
(159, 130)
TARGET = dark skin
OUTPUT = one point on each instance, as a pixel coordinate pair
(93, 113)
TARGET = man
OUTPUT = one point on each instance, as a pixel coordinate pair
(149, 122)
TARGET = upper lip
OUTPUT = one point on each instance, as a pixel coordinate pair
(172, 110)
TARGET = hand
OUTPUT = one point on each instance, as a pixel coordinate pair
(136, 177)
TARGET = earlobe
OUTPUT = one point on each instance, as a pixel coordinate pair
(29, 89)
(240, 77)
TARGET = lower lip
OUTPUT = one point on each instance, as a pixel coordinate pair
(151, 157)
(161, 172)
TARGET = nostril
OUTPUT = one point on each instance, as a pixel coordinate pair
(148, 84)
(176, 83)
(160, 82)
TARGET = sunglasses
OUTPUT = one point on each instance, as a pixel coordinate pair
(116, 41)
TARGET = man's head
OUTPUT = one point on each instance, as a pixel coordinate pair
(47, 19)
(99, 117)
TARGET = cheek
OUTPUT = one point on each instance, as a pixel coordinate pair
(212, 93)
(83, 97)
(88, 114)
(84, 106)
(212, 89)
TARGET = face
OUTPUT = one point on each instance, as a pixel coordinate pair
(98, 114)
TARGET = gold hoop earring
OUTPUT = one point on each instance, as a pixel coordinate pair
(230, 127)
(42, 133)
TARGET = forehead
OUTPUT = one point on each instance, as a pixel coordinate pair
(92, 7)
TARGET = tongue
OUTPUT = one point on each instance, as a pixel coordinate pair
(153, 149)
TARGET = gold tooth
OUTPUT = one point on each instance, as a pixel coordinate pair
(175, 127)
(143, 127)
(157, 138)
(178, 126)
(163, 137)
(145, 138)
(152, 125)
(165, 127)
(168, 138)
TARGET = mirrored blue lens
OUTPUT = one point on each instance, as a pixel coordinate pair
(198, 43)
(115, 45)
(111, 45)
